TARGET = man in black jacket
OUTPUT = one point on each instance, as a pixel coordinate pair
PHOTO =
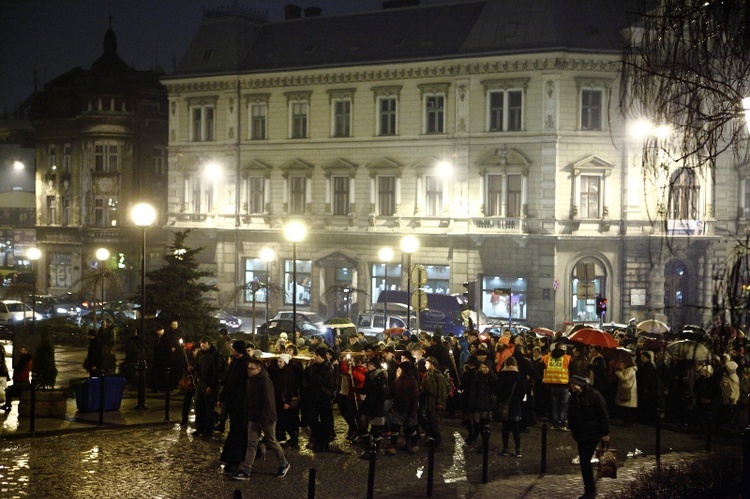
(209, 373)
(588, 420)
(319, 385)
(232, 403)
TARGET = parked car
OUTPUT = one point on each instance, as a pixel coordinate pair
(51, 307)
(15, 312)
(226, 320)
(275, 327)
(301, 316)
(87, 320)
(371, 321)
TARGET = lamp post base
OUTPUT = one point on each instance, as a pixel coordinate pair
(141, 405)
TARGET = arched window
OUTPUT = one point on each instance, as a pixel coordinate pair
(684, 194)
(588, 280)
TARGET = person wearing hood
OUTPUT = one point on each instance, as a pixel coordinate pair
(260, 412)
(232, 403)
(287, 400)
(372, 408)
(210, 365)
(649, 387)
(555, 378)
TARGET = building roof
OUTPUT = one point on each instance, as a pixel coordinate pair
(469, 28)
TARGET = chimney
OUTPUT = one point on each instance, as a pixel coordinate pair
(292, 11)
(397, 4)
(313, 11)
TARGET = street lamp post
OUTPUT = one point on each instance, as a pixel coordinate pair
(267, 255)
(295, 232)
(409, 245)
(33, 254)
(102, 254)
(143, 215)
(386, 255)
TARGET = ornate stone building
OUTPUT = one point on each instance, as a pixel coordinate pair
(487, 129)
(101, 136)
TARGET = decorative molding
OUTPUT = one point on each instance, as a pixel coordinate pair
(297, 166)
(298, 96)
(434, 88)
(384, 166)
(505, 84)
(341, 94)
(592, 164)
(502, 160)
(339, 166)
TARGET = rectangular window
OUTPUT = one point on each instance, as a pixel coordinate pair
(160, 164)
(299, 120)
(494, 195)
(195, 195)
(434, 114)
(67, 157)
(433, 196)
(202, 124)
(256, 195)
(105, 211)
(66, 218)
(342, 118)
(106, 158)
(590, 188)
(504, 298)
(255, 277)
(513, 200)
(340, 195)
(52, 157)
(51, 210)
(505, 110)
(387, 116)
(387, 195)
(297, 195)
(258, 121)
(302, 286)
(379, 282)
(591, 109)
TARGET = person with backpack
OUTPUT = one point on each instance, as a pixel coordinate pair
(434, 390)
(210, 370)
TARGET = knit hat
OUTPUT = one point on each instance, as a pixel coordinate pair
(579, 380)
(433, 361)
(239, 346)
(321, 351)
(285, 357)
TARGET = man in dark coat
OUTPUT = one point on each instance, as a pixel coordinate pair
(589, 422)
(649, 387)
(207, 387)
(232, 402)
(319, 384)
(93, 361)
(260, 413)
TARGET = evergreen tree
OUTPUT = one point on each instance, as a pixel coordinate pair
(177, 292)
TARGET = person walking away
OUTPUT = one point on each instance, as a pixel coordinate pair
(649, 388)
(511, 389)
(260, 413)
(375, 390)
(730, 392)
(232, 403)
(434, 389)
(556, 377)
(319, 384)
(467, 378)
(589, 424)
(287, 400)
(21, 377)
(207, 386)
(405, 407)
(93, 361)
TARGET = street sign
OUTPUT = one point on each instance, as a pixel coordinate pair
(419, 300)
(418, 276)
(586, 290)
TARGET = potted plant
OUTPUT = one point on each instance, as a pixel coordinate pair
(49, 402)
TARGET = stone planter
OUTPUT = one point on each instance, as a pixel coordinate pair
(49, 403)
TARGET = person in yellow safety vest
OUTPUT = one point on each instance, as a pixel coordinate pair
(556, 377)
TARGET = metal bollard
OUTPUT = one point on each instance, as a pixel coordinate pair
(430, 466)
(544, 448)
(101, 398)
(485, 451)
(32, 403)
(371, 470)
(167, 394)
(658, 435)
(311, 484)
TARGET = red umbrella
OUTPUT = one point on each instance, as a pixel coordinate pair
(593, 337)
(543, 331)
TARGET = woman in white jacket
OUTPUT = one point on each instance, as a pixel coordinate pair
(730, 392)
(626, 397)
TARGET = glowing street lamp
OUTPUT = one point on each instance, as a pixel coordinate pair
(295, 232)
(143, 215)
(102, 254)
(386, 255)
(409, 245)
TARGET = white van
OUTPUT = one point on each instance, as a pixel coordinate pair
(371, 322)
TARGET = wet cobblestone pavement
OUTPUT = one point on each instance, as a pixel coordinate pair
(165, 461)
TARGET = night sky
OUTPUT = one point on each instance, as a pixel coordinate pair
(50, 37)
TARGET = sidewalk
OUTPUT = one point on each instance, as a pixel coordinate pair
(14, 427)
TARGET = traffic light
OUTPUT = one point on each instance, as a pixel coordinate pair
(471, 294)
(601, 306)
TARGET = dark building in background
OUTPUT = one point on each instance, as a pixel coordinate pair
(101, 136)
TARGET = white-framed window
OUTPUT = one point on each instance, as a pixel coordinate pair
(303, 284)
(592, 108)
(684, 195)
(434, 113)
(342, 117)
(433, 195)
(297, 194)
(504, 195)
(505, 110)
(51, 210)
(203, 123)
(67, 157)
(256, 271)
(256, 194)
(340, 195)
(589, 187)
(106, 158)
(52, 157)
(258, 114)
(105, 211)
(387, 115)
(198, 196)
(386, 195)
(299, 113)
